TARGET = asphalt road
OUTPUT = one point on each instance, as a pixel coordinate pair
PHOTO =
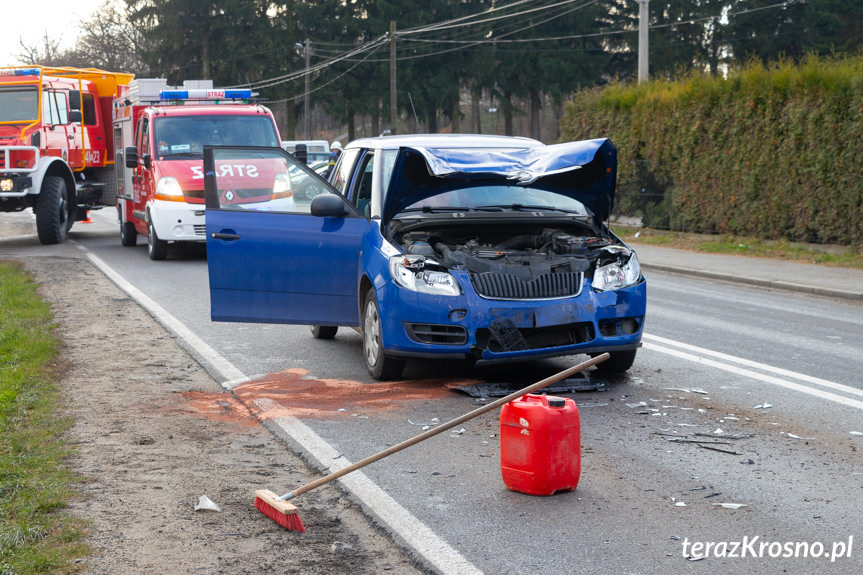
(715, 353)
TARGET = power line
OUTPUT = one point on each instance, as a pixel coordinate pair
(463, 22)
(322, 86)
(373, 44)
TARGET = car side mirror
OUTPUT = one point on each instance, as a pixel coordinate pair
(131, 156)
(328, 206)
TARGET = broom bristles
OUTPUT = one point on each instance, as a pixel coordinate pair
(281, 512)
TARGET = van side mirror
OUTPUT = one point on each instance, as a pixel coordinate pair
(302, 153)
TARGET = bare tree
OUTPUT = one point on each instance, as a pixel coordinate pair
(109, 41)
(106, 40)
(45, 53)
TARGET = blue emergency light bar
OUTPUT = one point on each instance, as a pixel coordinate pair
(204, 94)
(27, 72)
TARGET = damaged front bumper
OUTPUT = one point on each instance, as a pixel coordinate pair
(492, 331)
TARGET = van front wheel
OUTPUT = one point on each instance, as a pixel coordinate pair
(156, 248)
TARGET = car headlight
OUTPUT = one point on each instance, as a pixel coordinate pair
(617, 275)
(169, 189)
(417, 273)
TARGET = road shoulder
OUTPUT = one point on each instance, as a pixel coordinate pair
(153, 432)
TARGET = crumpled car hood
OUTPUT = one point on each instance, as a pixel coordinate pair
(584, 170)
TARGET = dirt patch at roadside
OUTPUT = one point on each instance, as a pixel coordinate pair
(153, 432)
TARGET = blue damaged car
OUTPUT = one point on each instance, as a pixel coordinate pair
(488, 248)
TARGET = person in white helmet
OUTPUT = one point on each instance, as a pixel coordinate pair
(335, 152)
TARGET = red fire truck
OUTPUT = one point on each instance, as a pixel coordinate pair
(56, 151)
(161, 131)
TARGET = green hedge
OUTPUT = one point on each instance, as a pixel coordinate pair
(774, 152)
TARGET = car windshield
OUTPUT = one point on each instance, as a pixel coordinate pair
(19, 104)
(180, 136)
(493, 198)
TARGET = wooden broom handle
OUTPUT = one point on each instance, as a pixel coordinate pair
(443, 427)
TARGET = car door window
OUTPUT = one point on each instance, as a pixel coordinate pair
(261, 180)
(362, 195)
(343, 169)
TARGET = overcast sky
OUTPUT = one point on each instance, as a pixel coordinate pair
(28, 20)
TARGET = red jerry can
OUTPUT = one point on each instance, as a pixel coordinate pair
(540, 444)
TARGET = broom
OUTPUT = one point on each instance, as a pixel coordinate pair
(286, 514)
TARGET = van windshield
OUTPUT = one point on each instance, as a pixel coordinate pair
(180, 136)
(19, 104)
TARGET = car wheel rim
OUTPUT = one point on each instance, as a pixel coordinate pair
(372, 334)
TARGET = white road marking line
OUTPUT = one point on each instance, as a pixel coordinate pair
(759, 376)
(756, 365)
(221, 365)
(406, 526)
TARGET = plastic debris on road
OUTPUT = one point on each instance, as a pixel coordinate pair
(763, 406)
(206, 504)
(730, 505)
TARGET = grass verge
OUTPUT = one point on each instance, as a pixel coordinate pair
(839, 256)
(36, 536)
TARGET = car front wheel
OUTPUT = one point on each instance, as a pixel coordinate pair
(380, 365)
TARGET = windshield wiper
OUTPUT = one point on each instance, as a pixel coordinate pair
(521, 207)
(430, 209)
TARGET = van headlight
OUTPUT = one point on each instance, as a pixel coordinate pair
(419, 274)
(282, 186)
(618, 274)
(169, 189)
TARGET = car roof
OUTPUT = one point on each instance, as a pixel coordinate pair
(443, 141)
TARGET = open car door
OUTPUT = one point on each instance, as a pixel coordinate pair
(282, 245)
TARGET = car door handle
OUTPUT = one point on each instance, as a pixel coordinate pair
(224, 236)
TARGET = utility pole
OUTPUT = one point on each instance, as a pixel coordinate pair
(643, 23)
(393, 93)
(307, 49)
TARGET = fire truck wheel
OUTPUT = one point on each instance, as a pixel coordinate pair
(128, 234)
(52, 211)
(156, 248)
